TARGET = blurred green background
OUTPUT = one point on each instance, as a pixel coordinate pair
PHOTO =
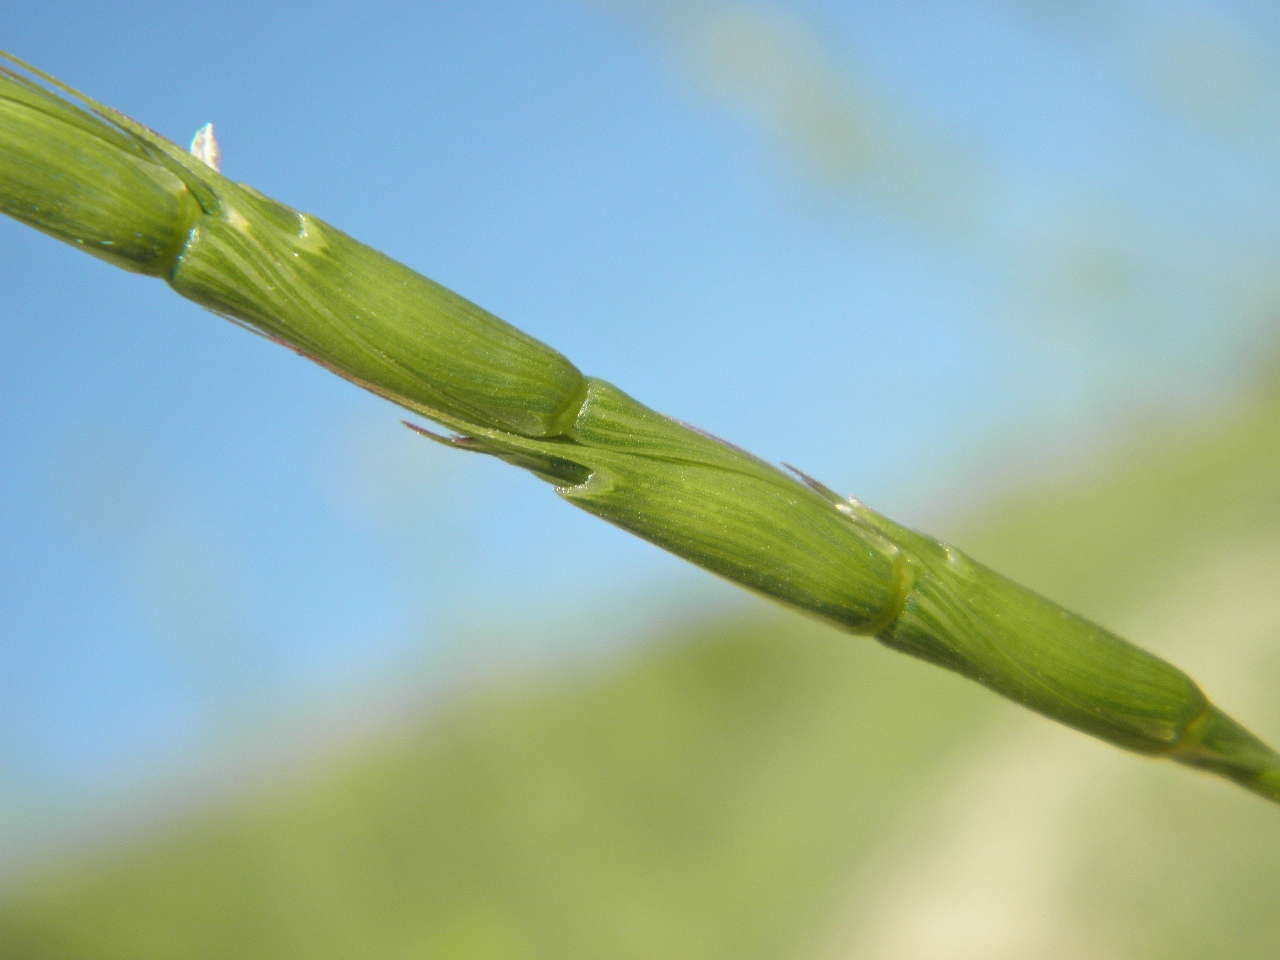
(754, 786)
(1080, 386)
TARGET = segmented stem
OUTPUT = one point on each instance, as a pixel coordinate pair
(94, 178)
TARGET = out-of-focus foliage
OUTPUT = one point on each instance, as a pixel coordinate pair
(761, 787)
(1079, 261)
(839, 128)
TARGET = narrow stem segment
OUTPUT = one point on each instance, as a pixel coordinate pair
(96, 179)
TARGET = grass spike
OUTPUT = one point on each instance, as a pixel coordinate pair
(93, 177)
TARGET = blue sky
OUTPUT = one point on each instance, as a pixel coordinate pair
(912, 248)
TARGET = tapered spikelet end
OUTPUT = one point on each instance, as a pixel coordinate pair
(1219, 744)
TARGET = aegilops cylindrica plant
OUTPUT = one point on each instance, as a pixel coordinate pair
(94, 178)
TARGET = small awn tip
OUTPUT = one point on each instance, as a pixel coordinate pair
(204, 147)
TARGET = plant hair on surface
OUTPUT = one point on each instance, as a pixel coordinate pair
(94, 178)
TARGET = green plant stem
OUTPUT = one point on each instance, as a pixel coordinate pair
(94, 178)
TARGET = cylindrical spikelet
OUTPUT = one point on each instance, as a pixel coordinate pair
(130, 197)
(370, 318)
(81, 180)
(961, 615)
(712, 504)
(728, 512)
